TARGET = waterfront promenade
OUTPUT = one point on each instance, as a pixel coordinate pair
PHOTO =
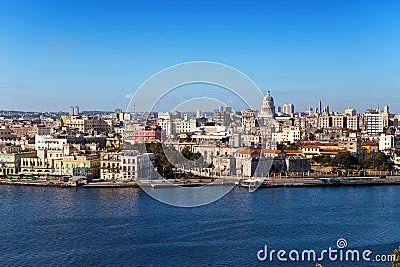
(218, 181)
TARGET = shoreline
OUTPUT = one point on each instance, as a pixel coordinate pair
(268, 183)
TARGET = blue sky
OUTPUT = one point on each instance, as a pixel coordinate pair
(54, 54)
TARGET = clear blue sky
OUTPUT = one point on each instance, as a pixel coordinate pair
(54, 54)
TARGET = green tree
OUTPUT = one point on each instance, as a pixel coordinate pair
(344, 160)
(377, 160)
(293, 146)
(187, 153)
(322, 160)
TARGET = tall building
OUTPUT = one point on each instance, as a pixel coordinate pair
(288, 109)
(326, 110)
(350, 111)
(76, 111)
(249, 120)
(320, 107)
(198, 113)
(374, 121)
(73, 111)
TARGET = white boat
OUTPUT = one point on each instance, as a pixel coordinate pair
(251, 182)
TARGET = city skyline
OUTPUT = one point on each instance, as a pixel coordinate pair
(96, 54)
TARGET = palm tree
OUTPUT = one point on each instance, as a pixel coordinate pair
(396, 257)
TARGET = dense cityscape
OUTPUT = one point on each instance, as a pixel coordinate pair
(73, 147)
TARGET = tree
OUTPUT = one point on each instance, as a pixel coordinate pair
(187, 153)
(396, 258)
(322, 160)
(344, 160)
(377, 160)
(293, 146)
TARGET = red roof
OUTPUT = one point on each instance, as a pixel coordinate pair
(370, 144)
(293, 151)
(251, 151)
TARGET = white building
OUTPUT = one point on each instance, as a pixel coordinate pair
(110, 166)
(49, 142)
(374, 122)
(288, 109)
(136, 166)
(385, 142)
(290, 134)
(185, 126)
(168, 126)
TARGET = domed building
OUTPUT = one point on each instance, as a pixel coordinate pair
(268, 107)
(266, 120)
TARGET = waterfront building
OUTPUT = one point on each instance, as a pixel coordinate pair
(255, 162)
(110, 166)
(10, 163)
(225, 164)
(38, 165)
(78, 165)
(136, 166)
(322, 149)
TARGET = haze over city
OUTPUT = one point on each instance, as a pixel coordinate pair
(95, 54)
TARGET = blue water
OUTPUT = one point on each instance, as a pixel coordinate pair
(125, 227)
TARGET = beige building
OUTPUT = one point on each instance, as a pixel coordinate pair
(6, 133)
(10, 163)
(78, 165)
(110, 166)
(353, 122)
(288, 135)
(87, 124)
